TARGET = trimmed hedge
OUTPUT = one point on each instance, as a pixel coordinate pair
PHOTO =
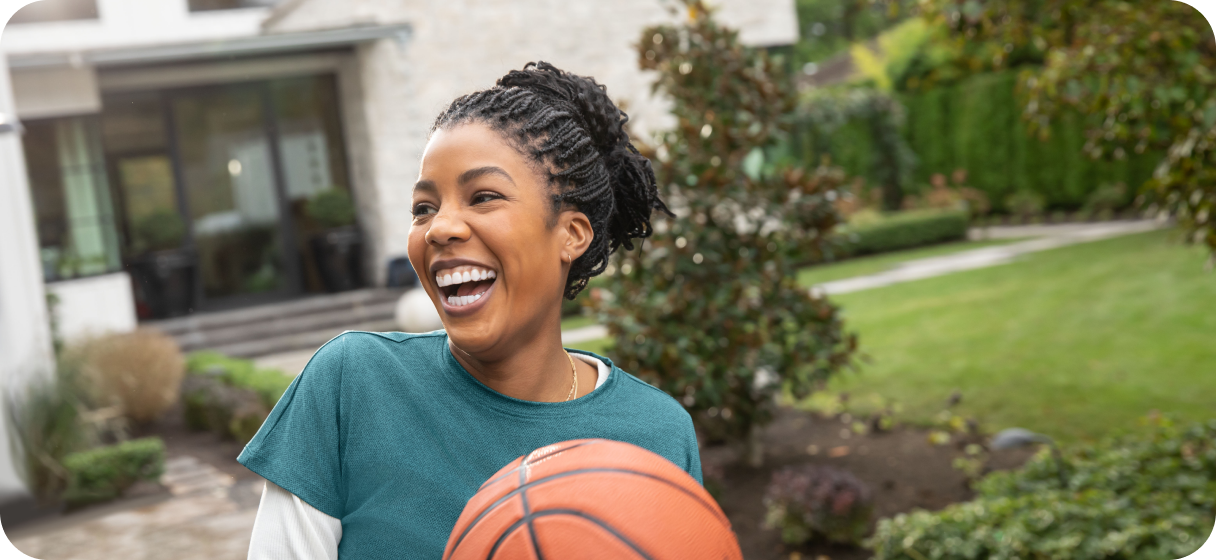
(976, 124)
(104, 473)
(904, 230)
(1147, 496)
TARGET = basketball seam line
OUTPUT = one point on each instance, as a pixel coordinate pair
(547, 512)
(523, 496)
(536, 482)
(524, 463)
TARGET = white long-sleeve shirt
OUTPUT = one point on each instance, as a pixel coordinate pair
(287, 528)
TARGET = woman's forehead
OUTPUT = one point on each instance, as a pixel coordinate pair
(467, 151)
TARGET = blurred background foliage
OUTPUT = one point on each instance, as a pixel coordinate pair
(695, 313)
(1051, 98)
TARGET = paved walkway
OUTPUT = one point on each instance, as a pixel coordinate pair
(1045, 237)
(207, 515)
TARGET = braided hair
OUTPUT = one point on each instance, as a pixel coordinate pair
(569, 127)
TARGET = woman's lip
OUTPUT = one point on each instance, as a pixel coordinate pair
(445, 264)
(466, 309)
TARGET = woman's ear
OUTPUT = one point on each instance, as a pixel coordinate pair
(578, 235)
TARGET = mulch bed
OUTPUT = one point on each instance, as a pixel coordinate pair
(903, 470)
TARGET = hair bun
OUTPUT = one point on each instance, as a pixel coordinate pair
(634, 191)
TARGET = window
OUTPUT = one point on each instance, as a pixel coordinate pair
(56, 10)
(72, 201)
(209, 5)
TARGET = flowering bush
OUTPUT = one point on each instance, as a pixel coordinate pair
(1146, 496)
(810, 501)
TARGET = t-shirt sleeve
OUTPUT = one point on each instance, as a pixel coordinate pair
(694, 451)
(298, 447)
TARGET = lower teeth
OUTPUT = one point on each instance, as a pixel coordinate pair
(461, 301)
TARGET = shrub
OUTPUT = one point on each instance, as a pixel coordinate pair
(903, 230)
(331, 208)
(230, 396)
(1025, 204)
(162, 229)
(1147, 495)
(104, 473)
(1106, 199)
(268, 384)
(141, 372)
(813, 501)
(46, 423)
(710, 312)
(211, 404)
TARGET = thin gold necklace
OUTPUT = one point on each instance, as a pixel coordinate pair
(574, 374)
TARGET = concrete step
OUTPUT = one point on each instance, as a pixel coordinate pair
(309, 340)
(286, 325)
(302, 306)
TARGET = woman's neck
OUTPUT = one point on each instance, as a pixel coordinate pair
(536, 369)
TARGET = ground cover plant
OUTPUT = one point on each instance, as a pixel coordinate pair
(229, 396)
(1147, 495)
(1072, 342)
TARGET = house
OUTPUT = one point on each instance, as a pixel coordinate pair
(161, 158)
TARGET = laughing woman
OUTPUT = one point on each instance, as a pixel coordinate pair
(525, 189)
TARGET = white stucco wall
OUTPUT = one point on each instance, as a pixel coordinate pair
(127, 23)
(459, 46)
(94, 306)
(25, 340)
(53, 92)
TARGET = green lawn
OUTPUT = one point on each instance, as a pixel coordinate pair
(863, 266)
(1072, 342)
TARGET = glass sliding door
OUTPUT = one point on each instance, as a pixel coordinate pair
(309, 132)
(229, 179)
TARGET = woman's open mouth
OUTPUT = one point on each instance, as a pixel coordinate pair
(463, 286)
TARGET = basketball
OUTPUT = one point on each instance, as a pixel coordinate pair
(591, 499)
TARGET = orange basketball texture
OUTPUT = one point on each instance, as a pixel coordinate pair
(591, 499)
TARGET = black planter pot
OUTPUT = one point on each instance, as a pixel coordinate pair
(338, 253)
(165, 279)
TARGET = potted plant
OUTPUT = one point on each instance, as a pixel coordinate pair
(163, 270)
(338, 246)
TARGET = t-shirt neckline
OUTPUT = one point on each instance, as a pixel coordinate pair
(519, 407)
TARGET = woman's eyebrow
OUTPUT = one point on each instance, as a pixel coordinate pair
(480, 171)
(426, 185)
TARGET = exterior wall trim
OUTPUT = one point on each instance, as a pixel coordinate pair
(245, 46)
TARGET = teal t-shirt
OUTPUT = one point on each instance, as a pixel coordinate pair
(388, 433)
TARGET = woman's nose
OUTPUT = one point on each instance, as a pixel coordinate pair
(446, 229)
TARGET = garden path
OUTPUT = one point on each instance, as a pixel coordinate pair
(206, 515)
(1041, 237)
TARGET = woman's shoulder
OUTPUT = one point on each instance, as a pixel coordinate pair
(351, 351)
(645, 397)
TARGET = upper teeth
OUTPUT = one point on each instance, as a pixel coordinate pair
(460, 277)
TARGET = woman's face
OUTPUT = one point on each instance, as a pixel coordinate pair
(484, 241)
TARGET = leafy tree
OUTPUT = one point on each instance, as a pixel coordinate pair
(710, 312)
(1143, 72)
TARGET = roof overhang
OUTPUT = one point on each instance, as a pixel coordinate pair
(259, 45)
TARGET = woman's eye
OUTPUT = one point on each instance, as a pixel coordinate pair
(423, 209)
(485, 197)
